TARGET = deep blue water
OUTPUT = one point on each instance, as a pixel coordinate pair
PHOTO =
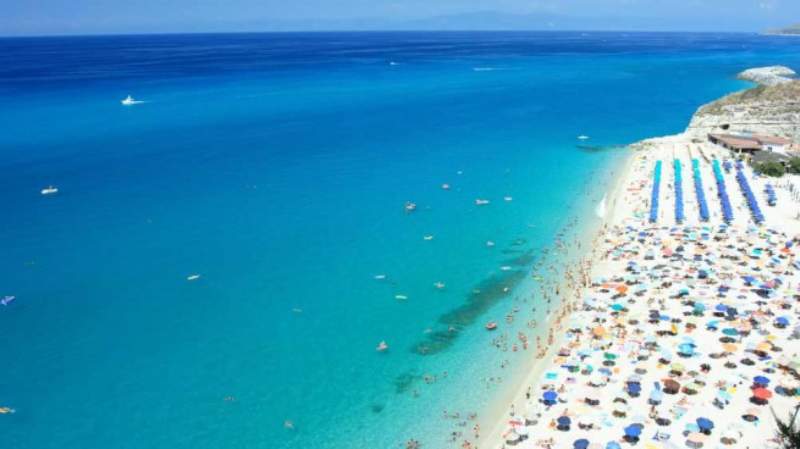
(277, 166)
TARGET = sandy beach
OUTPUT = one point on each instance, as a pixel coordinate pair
(680, 334)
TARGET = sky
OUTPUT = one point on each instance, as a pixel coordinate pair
(48, 17)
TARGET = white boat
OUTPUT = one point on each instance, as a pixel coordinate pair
(583, 137)
(49, 190)
(129, 101)
(400, 297)
(7, 300)
(427, 237)
(379, 277)
(445, 186)
(193, 277)
(489, 243)
(382, 346)
(410, 206)
(439, 285)
(481, 202)
(508, 198)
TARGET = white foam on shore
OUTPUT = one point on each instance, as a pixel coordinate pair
(600, 210)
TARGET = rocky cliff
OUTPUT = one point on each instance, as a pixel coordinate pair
(771, 108)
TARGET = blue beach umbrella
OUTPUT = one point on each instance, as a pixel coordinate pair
(563, 421)
(633, 431)
(782, 321)
(761, 380)
(731, 332)
(550, 397)
(613, 445)
(705, 423)
(583, 443)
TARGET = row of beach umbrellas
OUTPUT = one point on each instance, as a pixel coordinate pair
(758, 217)
(698, 190)
(679, 215)
(722, 192)
(654, 195)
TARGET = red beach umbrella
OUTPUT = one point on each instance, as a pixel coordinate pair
(762, 394)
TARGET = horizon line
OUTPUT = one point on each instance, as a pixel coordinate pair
(398, 30)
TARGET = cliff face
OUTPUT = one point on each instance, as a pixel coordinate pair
(773, 109)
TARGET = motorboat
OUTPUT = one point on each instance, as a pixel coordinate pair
(130, 101)
(49, 190)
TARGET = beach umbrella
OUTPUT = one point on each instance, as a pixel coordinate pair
(550, 397)
(599, 332)
(633, 431)
(671, 386)
(729, 437)
(695, 440)
(613, 445)
(563, 422)
(582, 443)
(761, 380)
(762, 394)
(750, 415)
(731, 332)
(677, 367)
(705, 424)
(513, 438)
(730, 347)
(781, 322)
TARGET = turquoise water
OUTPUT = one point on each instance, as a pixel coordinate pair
(277, 167)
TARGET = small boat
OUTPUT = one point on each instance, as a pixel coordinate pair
(439, 285)
(427, 237)
(7, 300)
(193, 277)
(491, 325)
(379, 277)
(410, 207)
(583, 137)
(129, 101)
(400, 297)
(49, 190)
(508, 198)
(6, 410)
(505, 268)
(445, 186)
(489, 243)
(297, 310)
(481, 202)
(382, 346)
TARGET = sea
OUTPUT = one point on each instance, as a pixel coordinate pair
(224, 255)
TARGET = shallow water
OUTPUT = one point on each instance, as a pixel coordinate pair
(277, 167)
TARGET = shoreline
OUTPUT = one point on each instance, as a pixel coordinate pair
(537, 366)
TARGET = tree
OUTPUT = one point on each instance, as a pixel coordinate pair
(771, 168)
(794, 165)
(788, 434)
